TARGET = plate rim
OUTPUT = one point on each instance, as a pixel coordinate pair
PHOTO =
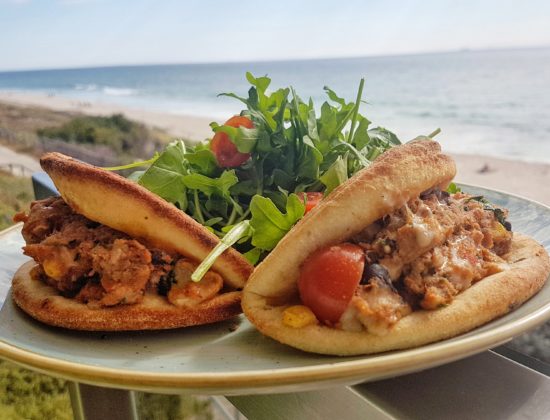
(368, 368)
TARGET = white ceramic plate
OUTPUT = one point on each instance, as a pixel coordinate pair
(231, 357)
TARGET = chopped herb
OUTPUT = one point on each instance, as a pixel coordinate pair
(237, 232)
(498, 212)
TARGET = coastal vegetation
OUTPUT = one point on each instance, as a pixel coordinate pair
(123, 136)
(101, 140)
(15, 195)
(27, 395)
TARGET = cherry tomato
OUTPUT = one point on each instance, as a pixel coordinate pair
(224, 149)
(239, 121)
(311, 199)
(328, 280)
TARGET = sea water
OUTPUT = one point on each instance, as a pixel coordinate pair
(485, 102)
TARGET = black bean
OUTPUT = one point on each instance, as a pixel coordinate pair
(371, 257)
(95, 278)
(156, 257)
(375, 270)
(427, 193)
(165, 283)
(443, 196)
(507, 225)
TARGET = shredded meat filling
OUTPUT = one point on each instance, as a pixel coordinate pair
(187, 293)
(432, 248)
(100, 266)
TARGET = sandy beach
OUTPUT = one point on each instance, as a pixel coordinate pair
(526, 179)
(185, 126)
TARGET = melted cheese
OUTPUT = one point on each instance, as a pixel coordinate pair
(424, 233)
(349, 320)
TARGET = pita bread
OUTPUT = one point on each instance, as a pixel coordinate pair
(117, 202)
(154, 312)
(123, 205)
(400, 175)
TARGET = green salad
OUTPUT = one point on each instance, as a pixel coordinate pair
(265, 167)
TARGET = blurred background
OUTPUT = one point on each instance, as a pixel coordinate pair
(112, 82)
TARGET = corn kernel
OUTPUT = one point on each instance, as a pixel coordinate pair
(499, 231)
(298, 316)
(52, 269)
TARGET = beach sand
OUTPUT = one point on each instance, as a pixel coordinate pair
(184, 126)
(526, 179)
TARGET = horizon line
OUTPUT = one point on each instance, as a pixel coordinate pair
(277, 60)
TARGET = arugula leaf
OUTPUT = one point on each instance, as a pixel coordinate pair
(135, 176)
(202, 160)
(269, 223)
(310, 158)
(293, 148)
(134, 164)
(262, 83)
(209, 185)
(356, 110)
(328, 126)
(333, 96)
(384, 136)
(253, 256)
(335, 175)
(165, 177)
(361, 139)
(453, 188)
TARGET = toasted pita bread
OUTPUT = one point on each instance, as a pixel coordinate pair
(154, 312)
(123, 205)
(400, 175)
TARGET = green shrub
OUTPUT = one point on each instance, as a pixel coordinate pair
(15, 195)
(26, 395)
(115, 131)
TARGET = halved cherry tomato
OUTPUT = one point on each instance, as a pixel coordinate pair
(311, 199)
(224, 149)
(328, 280)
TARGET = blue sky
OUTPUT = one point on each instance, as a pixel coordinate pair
(76, 33)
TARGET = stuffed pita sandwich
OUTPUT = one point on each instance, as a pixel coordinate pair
(391, 260)
(111, 256)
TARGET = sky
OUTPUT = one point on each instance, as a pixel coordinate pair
(38, 34)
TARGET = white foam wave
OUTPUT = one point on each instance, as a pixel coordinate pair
(85, 87)
(113, 91)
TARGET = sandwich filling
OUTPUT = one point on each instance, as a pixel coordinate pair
(103, 267)
(420, 257)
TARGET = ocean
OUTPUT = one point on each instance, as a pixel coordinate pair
(485, 102)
